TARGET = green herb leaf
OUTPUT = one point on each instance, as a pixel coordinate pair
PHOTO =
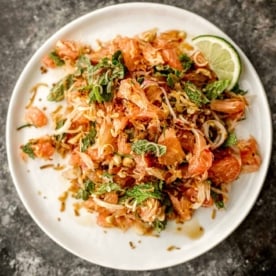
(58, 89)
(237, 90)
(56, 59)
(89, 139)
(82, 63)
(95, 94)
(60, 123)
(117, 58)
(108, 176)
(231, 140)
(108, 187)
(119, 69)
(218, 199)
(172, 79)
(195, 94)
(142, 192)
(159, 225)
(145, 146)
(27, 148)
(163, 70)
(216, 88)
(85, 69)
(86, 191)
(104, 78)
(172, 75)
(186, 62)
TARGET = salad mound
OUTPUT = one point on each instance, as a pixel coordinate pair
(148, 127)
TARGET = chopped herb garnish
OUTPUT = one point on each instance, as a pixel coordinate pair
(159, 225)
(172, 75)
(171, 80)
(216, 88)
(89, 139)
(27, 148)
(142, 192)
(237, 90)
(218, 199)
(231, 140)
(60, 123)
(163, 70)
(186, 62)
(145, 146)
(108, 187)
(195, 94)
(119, 69)
(86, 191)
(83, 63)
(56, 59)
(58, 89)
(108, 176)
(104, 78)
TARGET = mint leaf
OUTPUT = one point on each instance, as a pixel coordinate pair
(104, 78)
(142, 192)
(195, 95)
(215, 89)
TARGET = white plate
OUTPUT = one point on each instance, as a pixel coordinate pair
(39, 189)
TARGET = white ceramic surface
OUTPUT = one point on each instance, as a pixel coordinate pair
(39, 189)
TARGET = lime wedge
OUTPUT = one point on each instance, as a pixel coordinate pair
(222, 57)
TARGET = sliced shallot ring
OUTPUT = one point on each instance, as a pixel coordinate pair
(199, 59)
(221, 133)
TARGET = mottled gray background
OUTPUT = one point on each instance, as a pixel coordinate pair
(25, 249)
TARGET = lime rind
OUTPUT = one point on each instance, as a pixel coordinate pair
(210, 45)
